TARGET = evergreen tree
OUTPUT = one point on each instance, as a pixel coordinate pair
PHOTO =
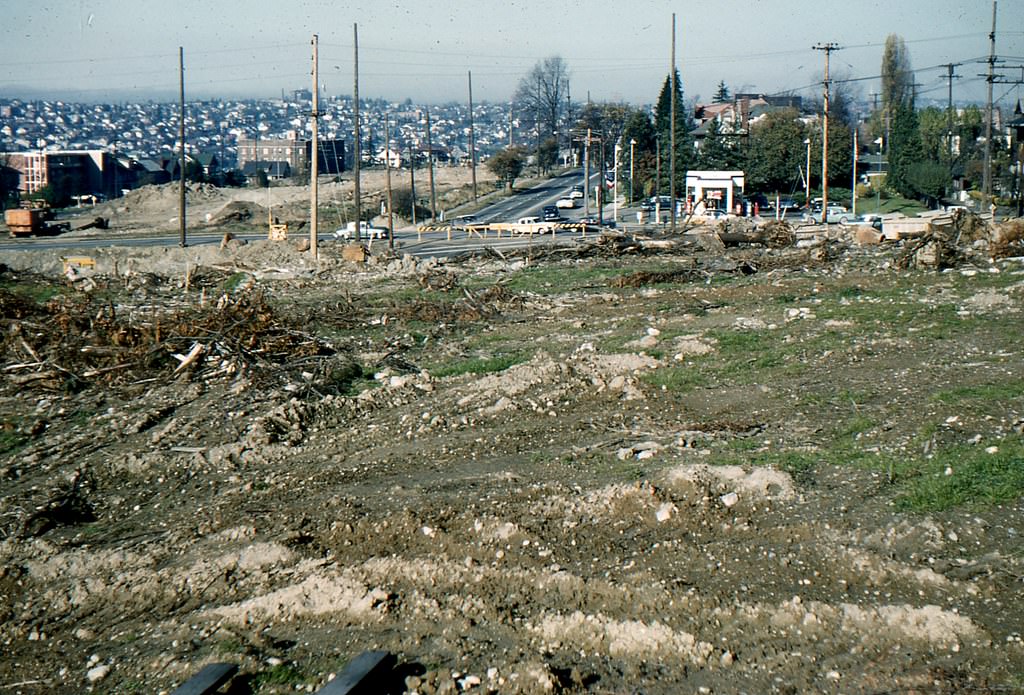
(719, 151)
(722, 95)
(684, 140)
(905, 149)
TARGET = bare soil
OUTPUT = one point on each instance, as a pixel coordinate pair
(243, 455)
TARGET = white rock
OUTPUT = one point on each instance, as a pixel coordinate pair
(469, 682)
(427, 531)
(665, 511)
(729, 499)
(832, 675)
(97, 673)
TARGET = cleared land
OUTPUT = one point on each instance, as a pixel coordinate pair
(611, 468)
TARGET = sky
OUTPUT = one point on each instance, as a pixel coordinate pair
(425, 50)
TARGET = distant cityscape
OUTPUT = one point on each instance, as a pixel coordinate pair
(141, 139)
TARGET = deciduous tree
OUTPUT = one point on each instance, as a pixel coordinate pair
(508, 164)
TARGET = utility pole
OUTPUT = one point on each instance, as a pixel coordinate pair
(412, 183)
(672, 127)
(990, 78)
(387, 179)
(853, 183)
(430, 159)
(828, 48)
(949, 112)
(181, 137)
(357, 153)
(314, 159)
(472, 135)
(586, 175)
(949, 123)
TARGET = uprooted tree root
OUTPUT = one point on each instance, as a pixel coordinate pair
(1008, 241)
(471, 307)
(74, 340)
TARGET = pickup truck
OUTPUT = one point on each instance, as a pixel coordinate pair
(366, 231)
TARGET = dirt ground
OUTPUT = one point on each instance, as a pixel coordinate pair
(619, 467)
(155, 208)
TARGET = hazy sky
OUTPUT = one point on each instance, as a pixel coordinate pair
(106, 50)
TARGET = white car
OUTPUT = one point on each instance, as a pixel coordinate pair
(576, 195)
(366, 231)
(566, 203)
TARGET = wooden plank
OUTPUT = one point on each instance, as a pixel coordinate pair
(211, 677)
(363, 675)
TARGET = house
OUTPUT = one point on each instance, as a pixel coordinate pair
(151, 172)
(391, 157)
(210, 164)
(275, 171)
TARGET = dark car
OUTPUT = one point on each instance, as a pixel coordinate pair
(550, 213)
(788, 205)
(763, 202)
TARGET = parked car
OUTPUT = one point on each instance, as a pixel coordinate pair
(763, 202)
(566, 203)
(788, 205)
(465, 219)
(366, 231)
(715, 214)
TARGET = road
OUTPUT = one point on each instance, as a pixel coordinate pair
(526, 203)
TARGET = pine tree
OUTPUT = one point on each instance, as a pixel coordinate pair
(684, 124)
(722, 95)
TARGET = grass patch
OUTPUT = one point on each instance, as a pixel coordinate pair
(980, 398)
(233, 281)
(557, 279)
(282, 674)
(11, 441)
(479, 365)
(976, 478)
(677, 379)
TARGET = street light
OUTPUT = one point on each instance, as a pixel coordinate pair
(615, 192)
(632, 145)
(807, 176)
(878, 175)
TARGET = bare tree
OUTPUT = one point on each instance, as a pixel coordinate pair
(542, 94)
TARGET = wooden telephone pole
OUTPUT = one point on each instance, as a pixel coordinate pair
(827, 48)
(357, 153)
(181, 137)
(314, 159)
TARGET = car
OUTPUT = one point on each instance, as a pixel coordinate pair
(763, 202)
(838, 214)
(464, 219)
(366, 231)
(588, 220)
(575, 195)
(788, 205)
(835, 214)
(533, 219)
(569, 203)
(715, 214)
(550, 213)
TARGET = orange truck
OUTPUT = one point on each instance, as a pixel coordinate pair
(22, 222)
